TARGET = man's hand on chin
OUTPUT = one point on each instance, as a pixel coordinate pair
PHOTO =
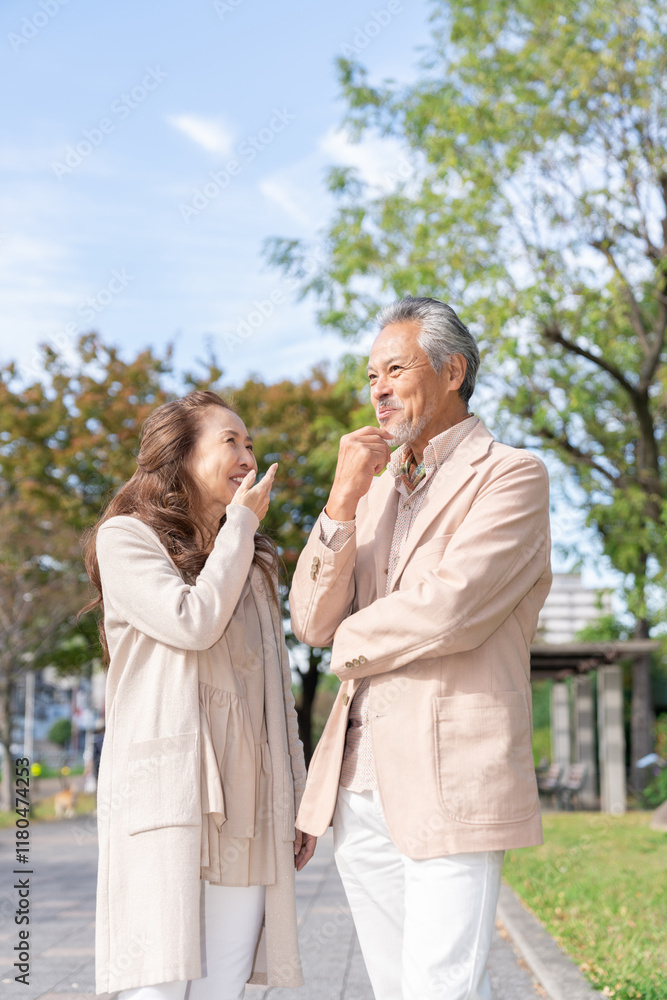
(362, 454)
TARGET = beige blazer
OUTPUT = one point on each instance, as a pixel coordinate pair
(149, 793)
(447, 651)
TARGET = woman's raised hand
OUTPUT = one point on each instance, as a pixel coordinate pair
(256, 497)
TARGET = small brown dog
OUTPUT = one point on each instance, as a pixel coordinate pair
(63, 803)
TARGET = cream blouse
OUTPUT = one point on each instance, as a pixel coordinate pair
(237, 845)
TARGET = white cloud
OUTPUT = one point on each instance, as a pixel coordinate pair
(280, 193)
(210, 133)
(382, 163)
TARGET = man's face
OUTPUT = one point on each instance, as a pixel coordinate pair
(409, 398)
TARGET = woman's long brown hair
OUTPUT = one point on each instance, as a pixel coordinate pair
(164, 495)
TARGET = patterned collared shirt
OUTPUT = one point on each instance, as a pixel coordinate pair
(412, 483)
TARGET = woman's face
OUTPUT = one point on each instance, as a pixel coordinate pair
(221, 459)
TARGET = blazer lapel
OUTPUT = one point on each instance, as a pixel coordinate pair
(449, 480)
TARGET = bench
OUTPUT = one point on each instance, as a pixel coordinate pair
(561, 782)
(571, 784)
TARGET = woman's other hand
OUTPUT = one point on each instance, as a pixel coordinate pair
(256, 497)
(304, 848)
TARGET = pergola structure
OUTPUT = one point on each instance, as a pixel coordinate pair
(579, 660)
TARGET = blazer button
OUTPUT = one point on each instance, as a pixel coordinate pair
(313, 574)
(349, 665)
(362, 660)
(346, 698)
(316, 560)
(356, 663)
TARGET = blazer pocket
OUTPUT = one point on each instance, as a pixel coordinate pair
(433, 550)
(424, 558)
(163, 776)
(484, 759)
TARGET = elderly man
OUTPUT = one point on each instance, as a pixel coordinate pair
(428, 580)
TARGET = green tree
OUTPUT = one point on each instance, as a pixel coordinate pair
(533, 199)
(61, 732)
(39, 580)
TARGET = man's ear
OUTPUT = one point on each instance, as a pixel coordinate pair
(457, 366)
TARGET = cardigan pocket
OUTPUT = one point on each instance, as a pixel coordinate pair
(484, 758)
(163, 777)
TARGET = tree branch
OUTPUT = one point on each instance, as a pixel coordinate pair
(604, 246)
(584, 457)
(554, 334)
(657, 347)
(653, 360)
(652, 251)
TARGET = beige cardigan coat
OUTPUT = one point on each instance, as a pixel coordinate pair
(447, 651)
(149, 794)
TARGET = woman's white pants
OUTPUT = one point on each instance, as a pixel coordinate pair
(424, 927)
(230, 927)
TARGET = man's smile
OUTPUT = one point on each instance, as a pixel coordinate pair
(384, 412)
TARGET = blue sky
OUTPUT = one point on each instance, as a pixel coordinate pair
(120, 113)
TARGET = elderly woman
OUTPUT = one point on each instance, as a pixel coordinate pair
(201, 767)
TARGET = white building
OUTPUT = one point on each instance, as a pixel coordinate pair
(570, 607)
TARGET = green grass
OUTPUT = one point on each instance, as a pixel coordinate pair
(56, 772)
(541, 744)
(46, 771)
(44, 810)
(598, 885)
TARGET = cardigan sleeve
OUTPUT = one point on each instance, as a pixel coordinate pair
(142, 586)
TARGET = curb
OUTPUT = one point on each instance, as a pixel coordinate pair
(553, 969)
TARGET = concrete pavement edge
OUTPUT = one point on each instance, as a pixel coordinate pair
(553, 969)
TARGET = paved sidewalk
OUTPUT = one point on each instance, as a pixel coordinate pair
(64, 858)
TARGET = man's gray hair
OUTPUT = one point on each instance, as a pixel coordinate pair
(441, 334)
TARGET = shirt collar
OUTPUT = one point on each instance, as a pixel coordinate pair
(438, 449)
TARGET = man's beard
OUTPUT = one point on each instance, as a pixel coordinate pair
(407, 431)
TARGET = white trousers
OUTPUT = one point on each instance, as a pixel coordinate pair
(424, 927)
(230, 926)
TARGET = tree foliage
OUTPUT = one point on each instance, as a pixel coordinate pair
(61, 732)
